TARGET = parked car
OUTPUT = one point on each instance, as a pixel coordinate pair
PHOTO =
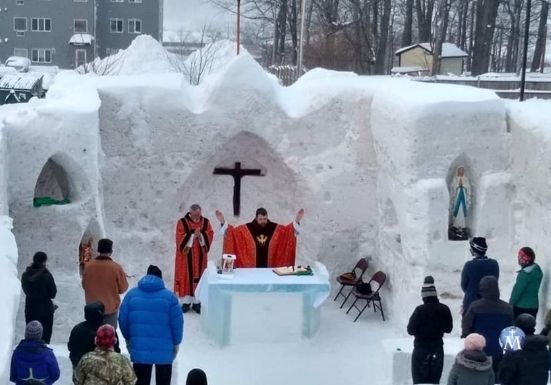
(21, 64)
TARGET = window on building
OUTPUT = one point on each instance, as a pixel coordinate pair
(19, 2)
(111, 51)
(21, 52)
(117, 1)
(134, 26)
(41, 55)
(80, 1)
(81, 25)
(117, 25)
(20, 24)
(134, 1)
(80, 57)
(40, 24)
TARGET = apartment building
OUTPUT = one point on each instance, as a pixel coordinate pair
(68, 33)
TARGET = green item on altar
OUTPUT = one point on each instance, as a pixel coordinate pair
(47, 201)
(307, 271)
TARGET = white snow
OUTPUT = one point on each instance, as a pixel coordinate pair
(81, 39)
(369, 158)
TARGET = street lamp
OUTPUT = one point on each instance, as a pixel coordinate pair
(525, 53)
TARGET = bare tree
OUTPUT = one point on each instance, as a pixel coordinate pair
(201, 61)
(109, 65)
(539, 59)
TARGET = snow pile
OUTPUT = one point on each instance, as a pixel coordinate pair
(9, 294)
(145, 55)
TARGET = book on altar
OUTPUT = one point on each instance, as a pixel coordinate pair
(293, 270)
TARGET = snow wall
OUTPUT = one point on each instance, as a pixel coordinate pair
(370, 159)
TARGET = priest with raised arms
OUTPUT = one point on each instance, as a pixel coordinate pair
(261, 243)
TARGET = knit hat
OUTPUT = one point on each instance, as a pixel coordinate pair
(105, 246)
(478, 245)
(428, 289)
(33, 331)
(105, 337)
(40, 258)
(154, 270)
(475, 341)
(196, 377)
(526, 322)
(526, 256)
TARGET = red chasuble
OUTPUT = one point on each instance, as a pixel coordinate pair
(191, 263)
(271, 246)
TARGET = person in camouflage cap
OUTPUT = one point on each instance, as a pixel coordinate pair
(104, 366)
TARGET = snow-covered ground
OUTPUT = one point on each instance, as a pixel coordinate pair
(369, 158)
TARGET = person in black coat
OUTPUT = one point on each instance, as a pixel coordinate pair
(529, 365)
(83, 336)
(428, 323)
(39, 287)
(488, 316)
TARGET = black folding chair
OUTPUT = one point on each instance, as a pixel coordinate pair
(374, 297)
(351, 278)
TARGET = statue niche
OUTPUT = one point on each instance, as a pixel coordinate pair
(460, 205)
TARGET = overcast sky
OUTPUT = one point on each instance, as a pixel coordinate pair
(193, 14)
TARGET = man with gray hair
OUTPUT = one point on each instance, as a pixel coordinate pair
(193, 239)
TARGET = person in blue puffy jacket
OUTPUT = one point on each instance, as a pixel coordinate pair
(32, 362)
(152, 323)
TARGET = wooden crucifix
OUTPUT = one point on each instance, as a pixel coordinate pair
(237, 174)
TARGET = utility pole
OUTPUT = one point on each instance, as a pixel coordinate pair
(238, 24)
(525, 53)
(301, 44)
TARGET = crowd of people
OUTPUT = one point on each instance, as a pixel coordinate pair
(500, 342)
(149, 317)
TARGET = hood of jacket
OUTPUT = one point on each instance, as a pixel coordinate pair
(151, 283)
(94, 313)
(34, 273)
(488, 288)
(535, 343)
(474, 359)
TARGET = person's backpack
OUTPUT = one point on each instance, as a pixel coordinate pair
(34, 381)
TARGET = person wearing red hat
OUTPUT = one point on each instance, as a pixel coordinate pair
(104, 366)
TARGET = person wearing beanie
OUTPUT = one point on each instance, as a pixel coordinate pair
(152, 323)
(83, 336)
(529, 365)
(104, 280)
(488, 316)
(196, 377)
(103, 365)
(473, 271)
(39, 287)
(427, 324)
(32, 359)
(472, 366)
(525, 294)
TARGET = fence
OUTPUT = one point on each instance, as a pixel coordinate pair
(504, 87)
(287, 74)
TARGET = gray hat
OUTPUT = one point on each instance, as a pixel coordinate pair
(33, 331)
(428, 289)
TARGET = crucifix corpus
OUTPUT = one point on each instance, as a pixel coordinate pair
(237, 172)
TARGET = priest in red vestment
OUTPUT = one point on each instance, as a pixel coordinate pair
(193, 239)
(261, 243)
